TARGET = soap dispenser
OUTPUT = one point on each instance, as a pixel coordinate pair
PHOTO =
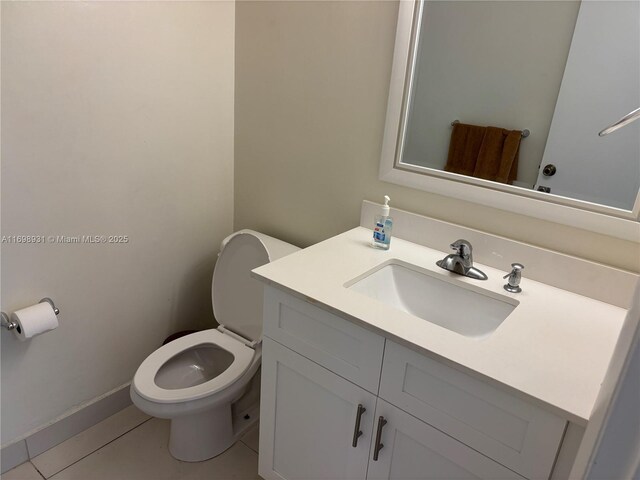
(382, 227)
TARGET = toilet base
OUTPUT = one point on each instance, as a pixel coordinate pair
(198, 437)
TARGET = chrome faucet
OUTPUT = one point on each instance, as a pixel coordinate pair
(461, 262)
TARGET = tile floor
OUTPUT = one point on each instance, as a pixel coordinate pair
(132, 446)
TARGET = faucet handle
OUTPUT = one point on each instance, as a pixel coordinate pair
(514, 276)
(462, 247)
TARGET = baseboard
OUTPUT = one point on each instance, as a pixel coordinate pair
(12, 455)
(64, 427)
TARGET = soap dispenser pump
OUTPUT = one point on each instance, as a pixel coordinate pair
(383, 224)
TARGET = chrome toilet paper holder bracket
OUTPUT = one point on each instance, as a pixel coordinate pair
(6, 322)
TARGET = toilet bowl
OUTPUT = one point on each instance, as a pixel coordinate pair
(199, 381)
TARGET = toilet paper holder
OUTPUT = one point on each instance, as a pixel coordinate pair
(9, 325)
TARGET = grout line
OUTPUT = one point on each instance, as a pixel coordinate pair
(36, 469)
(97, 449)
(247, 445)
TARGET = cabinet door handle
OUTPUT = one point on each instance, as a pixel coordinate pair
(356, 431)
(379, 445)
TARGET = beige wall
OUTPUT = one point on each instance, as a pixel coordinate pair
(117, 119)
(311, 89)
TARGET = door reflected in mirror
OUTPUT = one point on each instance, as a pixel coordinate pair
(511, 95)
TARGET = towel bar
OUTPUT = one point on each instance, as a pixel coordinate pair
(525, 132)
(626, 120)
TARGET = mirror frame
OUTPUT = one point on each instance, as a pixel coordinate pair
(594, 217)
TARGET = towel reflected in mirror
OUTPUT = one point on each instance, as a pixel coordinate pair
(490, 153)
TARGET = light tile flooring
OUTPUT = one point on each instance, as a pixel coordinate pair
(133, 446)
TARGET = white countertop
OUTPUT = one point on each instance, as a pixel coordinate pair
(553, 349)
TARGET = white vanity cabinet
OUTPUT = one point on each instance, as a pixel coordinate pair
(319, 371)
(308, 421)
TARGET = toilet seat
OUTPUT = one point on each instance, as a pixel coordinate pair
(144, 379)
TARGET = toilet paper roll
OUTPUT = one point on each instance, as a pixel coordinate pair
(34, 320)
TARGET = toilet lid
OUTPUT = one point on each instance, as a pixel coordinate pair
(144, 381)
(236, 296)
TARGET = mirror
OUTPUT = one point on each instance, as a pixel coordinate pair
(501, 102)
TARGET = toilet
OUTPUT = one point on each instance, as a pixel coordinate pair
(206, 383)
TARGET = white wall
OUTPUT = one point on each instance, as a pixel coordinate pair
(312, 82)
(496, 63)
(117, 119)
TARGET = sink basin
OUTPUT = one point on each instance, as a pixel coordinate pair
(452, 305)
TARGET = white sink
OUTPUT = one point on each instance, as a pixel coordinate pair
(452, 305)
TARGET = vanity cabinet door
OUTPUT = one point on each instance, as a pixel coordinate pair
(307, 420)
(414, 450)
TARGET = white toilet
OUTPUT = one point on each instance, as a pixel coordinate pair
(203, 381)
